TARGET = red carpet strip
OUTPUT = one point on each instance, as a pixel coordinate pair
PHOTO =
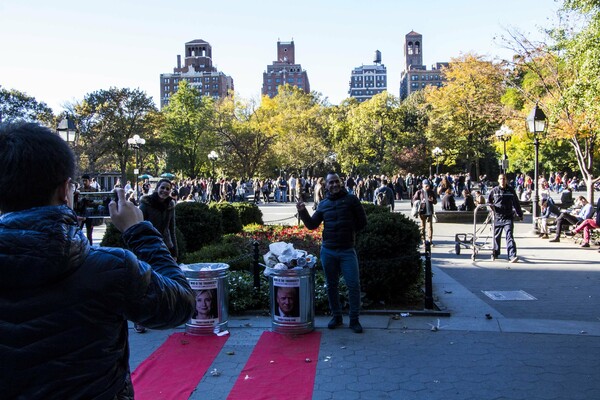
(280, 367)
(174, 370)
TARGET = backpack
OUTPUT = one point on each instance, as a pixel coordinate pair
(382, 199)
(416, 208)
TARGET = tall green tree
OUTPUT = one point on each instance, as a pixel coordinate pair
(245, 136)
(368, 138)
(189, 130)
(298, 119)
(108, 118)
(16, 105)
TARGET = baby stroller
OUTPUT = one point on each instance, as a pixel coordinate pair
(481, 238)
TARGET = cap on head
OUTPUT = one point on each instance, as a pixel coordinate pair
(426, 182)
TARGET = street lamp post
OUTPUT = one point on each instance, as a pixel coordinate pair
(504, 134)
(135, 142)
(68, 132)
(437, 153)
(66, 129)
(213, 156)
(537, 123)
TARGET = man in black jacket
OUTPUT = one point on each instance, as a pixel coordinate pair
(64, 305)
(343, 216)
(505, 204)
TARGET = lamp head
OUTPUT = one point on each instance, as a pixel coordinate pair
(537, 121)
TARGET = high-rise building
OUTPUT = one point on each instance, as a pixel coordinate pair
(198, 70)
(416, 76)
(368, 80)
(284, 70)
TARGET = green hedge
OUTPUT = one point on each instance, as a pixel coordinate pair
(371, 208)
(388, 253)
(236, 256)
(199, 224)
(113, 238)
(249, 213)
(229, 217)
(242, 296)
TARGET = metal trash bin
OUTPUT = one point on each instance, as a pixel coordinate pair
(292, 294)
(209, 282)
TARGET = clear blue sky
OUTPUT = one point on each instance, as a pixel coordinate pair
(58, 51)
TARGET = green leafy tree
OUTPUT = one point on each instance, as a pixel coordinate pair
(298, 119)
(108, 118)
(366, 142)
(188, 131)
(412, 151)
(16, 105)
(245, 136)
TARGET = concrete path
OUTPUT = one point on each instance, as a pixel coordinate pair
(545, 347)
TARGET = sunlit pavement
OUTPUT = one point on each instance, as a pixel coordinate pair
(545, 346)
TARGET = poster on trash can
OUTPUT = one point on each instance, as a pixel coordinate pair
(286, 299)
(206, 302)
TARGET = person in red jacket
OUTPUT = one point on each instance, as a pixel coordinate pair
(64, 304)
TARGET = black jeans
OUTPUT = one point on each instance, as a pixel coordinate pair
(565, 219)
(507, 226)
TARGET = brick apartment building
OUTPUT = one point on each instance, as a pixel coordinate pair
(284, 70)
(416, 76)
(198, 70)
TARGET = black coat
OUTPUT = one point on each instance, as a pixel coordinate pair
(64, 305)
(342, 215)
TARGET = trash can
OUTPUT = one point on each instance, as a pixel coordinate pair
(292, 294)
(209, 282)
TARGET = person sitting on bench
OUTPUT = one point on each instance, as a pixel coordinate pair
(566, 218)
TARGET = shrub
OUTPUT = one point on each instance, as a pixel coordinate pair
(242, 296)
(388, 253)
(371, 208)
(238, 258)
(249, 213)
(112, 237)
(229, 217)
(199, 224)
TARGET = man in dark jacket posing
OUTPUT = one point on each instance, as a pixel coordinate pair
(64, 305)
(342, 215)
(506, 207)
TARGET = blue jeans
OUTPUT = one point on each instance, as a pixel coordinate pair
(345, 262)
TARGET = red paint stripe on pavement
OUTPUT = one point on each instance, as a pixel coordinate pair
(280, 367)
(174, 370)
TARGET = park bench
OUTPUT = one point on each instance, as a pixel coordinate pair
(460, 217)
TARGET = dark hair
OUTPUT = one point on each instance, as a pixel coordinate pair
(29, 153)
(85, 176)
(164, 180)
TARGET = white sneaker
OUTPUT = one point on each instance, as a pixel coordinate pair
(514, 260)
